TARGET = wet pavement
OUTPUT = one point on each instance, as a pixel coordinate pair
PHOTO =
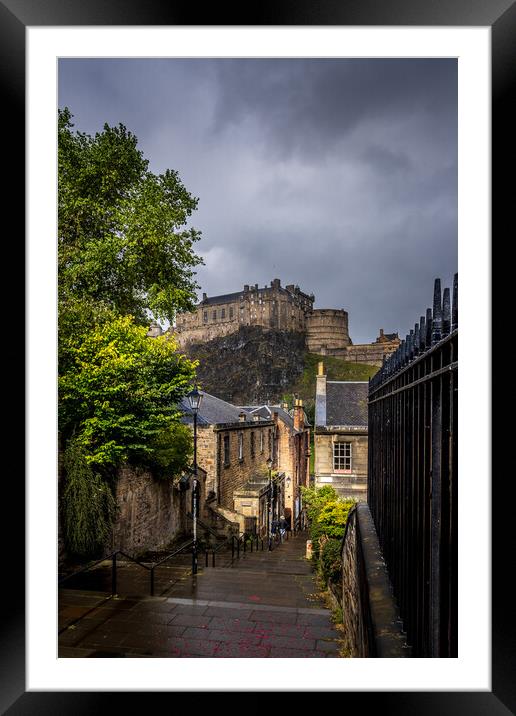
(262, 606)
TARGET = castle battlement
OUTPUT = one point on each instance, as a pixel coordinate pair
(274, 307)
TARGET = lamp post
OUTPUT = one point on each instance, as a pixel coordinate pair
(194, 399)
(269, 507)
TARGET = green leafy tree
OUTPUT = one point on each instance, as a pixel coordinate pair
(125, 256)
(123, 240)
(171, 451)
(119, 394)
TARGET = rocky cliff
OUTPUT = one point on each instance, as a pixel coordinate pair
(250, 366)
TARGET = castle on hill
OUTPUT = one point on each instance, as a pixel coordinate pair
(280, 308)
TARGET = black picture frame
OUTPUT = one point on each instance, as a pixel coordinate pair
(500, 15)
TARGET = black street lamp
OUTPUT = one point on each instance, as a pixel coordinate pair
(269, 506)
(194, 399)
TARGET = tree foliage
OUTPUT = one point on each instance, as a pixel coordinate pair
(120, 390)
(87, 505)
(125, 255)
(122, 233)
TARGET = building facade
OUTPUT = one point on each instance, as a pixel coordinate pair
(233, 448)
(340, 436)
(271, 307)
(291, 454)
(373, 353)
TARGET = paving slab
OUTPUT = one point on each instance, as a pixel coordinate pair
(262, 606)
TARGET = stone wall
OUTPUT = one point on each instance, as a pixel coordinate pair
(207, 455)
(370, 353)
(150, 512)
(369, 613)
(352, 484)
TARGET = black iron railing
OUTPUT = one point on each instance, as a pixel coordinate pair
(112, 557)
(412, 475)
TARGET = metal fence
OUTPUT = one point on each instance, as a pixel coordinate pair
(412, 475)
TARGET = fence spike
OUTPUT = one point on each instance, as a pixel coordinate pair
(455, 308)
(417, 344)
(437, 323)
(422, 333)
(446, 312)
(428, 339)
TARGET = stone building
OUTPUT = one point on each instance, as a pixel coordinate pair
(280, 308)
(291, 451)
(233, 449)
(340, 435)
(373, 353)
(272, 307)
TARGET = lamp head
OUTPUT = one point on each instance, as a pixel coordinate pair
(194, 399)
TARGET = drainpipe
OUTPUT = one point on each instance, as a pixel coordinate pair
(218, 467)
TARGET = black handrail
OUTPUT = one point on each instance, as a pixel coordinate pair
(173, 554)
(169, 556)
(113, 557)
(85, 569)
(203, 525)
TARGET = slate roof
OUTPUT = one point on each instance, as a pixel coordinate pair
(266, 411)
(226, 298)
(345, 404)
(213, 411)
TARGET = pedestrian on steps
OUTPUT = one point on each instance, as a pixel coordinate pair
(283, 524)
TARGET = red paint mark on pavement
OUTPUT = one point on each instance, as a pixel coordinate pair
(255, 598)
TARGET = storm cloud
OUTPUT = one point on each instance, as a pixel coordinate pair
(339, 175)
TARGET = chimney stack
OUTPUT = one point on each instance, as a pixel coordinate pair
(299, 420)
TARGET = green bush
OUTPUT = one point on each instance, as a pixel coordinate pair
(330, 561)
(327, 516)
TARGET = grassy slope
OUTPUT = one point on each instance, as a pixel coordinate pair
(335, 369)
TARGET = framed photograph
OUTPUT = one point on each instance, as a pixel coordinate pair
(37, 37)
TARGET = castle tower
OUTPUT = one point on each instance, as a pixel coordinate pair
(327, 331)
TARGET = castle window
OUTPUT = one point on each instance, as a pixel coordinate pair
(231, 311)
(261, 441)
(252, 444)
(223, 313)
(214, 315)
(240, 446)
(342, 457)
(205, 317)
(226, 450)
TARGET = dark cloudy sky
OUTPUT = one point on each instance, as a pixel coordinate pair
(337, 175)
